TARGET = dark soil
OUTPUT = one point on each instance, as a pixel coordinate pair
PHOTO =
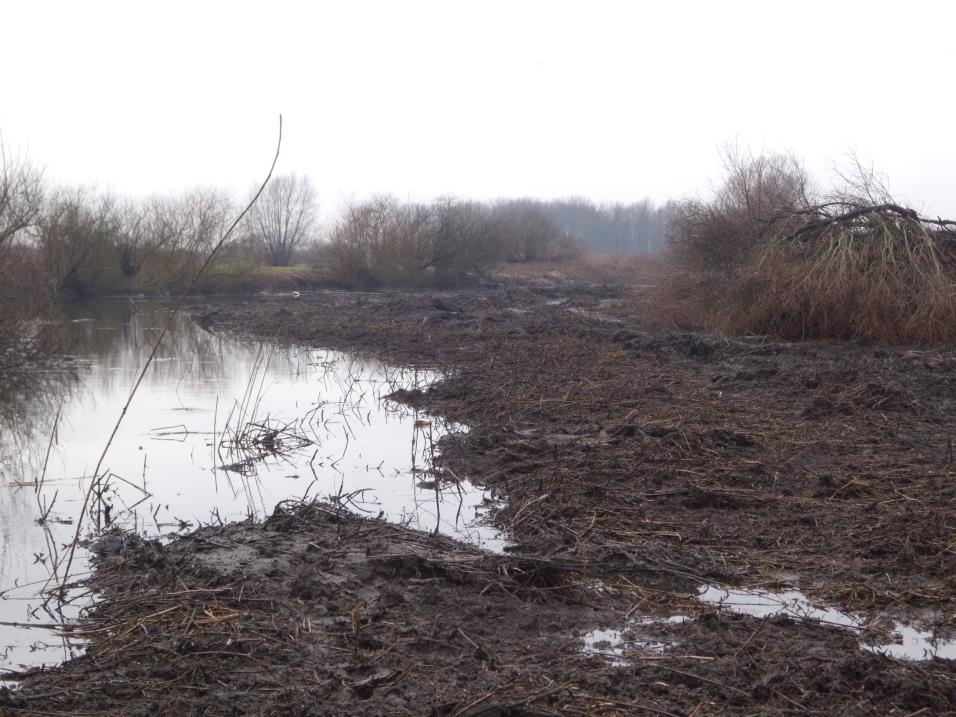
(634, 464)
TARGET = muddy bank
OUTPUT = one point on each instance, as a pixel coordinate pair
(738, 460)
(636, 466)
(318, 612)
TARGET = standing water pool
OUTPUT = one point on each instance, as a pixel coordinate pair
(221, 429)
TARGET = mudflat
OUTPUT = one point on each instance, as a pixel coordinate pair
(637, 470)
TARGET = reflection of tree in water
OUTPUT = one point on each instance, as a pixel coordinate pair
(28, 405)
(112, 339)
(123, 334)
(337, 402)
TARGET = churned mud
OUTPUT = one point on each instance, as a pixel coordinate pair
(652, 482)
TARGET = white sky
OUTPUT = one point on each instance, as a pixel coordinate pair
(611, 100)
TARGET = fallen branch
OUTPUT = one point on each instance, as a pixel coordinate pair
(851, 216)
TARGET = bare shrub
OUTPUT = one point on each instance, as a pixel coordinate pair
(317, 254)
(22, 296)
(568, 249)
(284, 218)
(886, 274)
(94, 243)
(461, 240)
(360, 243)
(77, 239)
(525, 231)
(768, 255)
(21, 194)
(175, 234)
(723, 232)
(383, 241)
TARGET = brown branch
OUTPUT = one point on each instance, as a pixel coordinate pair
(853, 215)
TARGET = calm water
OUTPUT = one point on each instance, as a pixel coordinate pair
(198, 446)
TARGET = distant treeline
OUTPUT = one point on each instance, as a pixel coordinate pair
(69, 241)
(610, 228)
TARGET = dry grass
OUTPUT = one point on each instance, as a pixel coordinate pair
(594, 268)
(890, 282)
(793, 265)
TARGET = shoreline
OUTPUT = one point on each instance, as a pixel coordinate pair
(635, 465)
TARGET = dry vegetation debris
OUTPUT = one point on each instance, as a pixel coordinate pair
(318, 612)
(768, 254)
(633, 464)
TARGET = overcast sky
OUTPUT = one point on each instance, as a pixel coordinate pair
(611, 100)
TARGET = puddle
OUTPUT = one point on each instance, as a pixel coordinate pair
(671, 620)
(762, 604)
(220, 430)
(915, 644)
(910, 642)
(606, 643)
(615, 645)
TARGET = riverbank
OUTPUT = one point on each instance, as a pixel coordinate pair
(319, 612)
(636, 467)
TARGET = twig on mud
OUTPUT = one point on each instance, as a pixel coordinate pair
(716, 683)
(751, 638)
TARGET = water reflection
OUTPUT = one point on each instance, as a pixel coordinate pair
(220, 430)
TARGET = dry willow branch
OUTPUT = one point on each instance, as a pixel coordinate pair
(850, 216)
(152, 354)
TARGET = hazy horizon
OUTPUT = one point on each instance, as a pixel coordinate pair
(611, 101)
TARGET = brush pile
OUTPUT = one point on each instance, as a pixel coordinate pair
(768, 255)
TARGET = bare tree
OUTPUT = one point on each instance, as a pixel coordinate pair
(609, 227)
(175, 234)
(283, 218)
(461, 239)
(525, 231)
(384, 241)
(723, 232)
(21, 194)
(21, 198)
(76, 239)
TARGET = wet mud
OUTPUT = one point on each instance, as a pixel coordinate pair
(634, 467)
(320, 612)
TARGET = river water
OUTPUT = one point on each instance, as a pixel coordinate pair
(221, 429)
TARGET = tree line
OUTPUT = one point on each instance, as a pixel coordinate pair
(76, 241)
(79, 242)
(611, 228)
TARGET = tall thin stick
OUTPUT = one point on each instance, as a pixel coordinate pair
(152, 354)
(49, 447)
